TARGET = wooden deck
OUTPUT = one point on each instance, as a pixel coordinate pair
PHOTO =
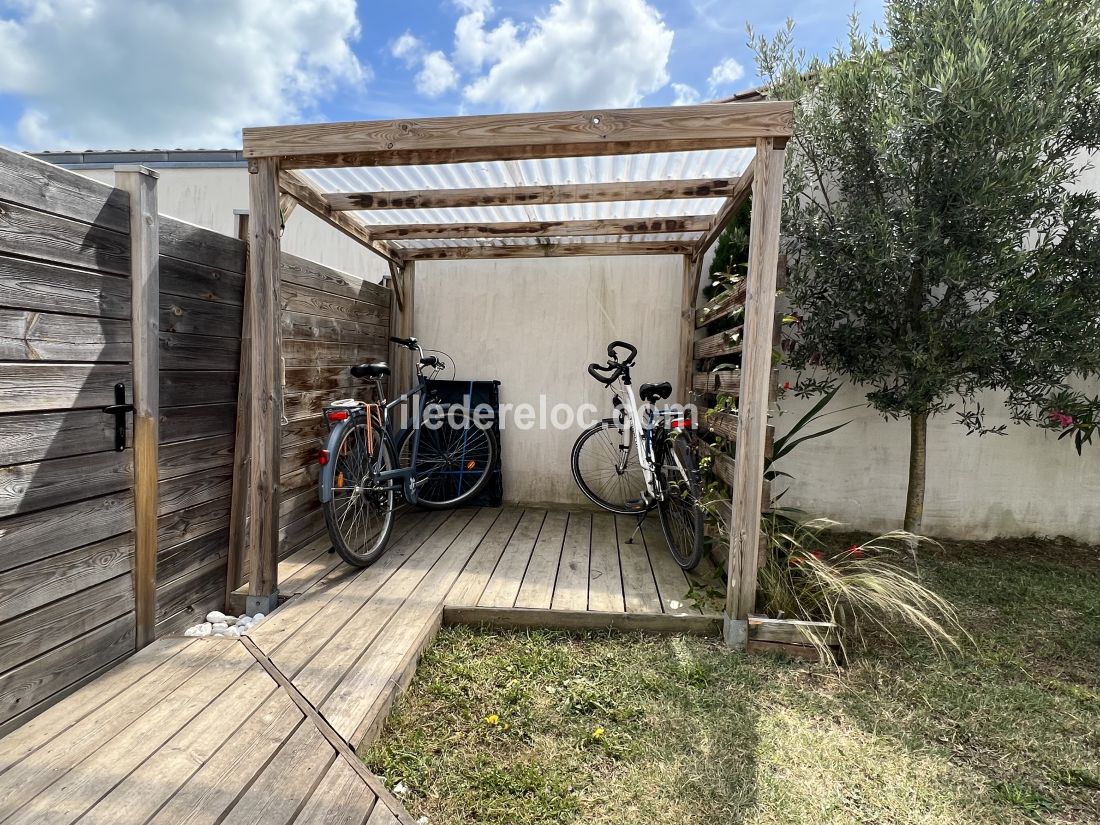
(263, 729)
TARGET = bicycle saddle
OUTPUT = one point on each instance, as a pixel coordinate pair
(379, 369)
(652, 393)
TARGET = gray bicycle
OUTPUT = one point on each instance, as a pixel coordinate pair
(444, 457)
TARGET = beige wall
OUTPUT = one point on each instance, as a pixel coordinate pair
(1019, 484)
(535, 325)
(207, 197)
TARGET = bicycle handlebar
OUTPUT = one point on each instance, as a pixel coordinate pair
(613, 369)
(405, 342)
(614, 345)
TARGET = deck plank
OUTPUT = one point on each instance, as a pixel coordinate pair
(605, 580)
(639, 587)
(287, 781)
(571, 586)
(358, 704)
(36, 771)
(329, 666)
(299, 628)
(471, 584)
(342, 798)
(672, 583)
(203, 798)
(100, 771)
(537, 589)
(61, 718)
(136, 798)
(505, 582)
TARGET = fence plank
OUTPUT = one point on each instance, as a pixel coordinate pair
(35, 285)
(25, 387)
(50, 188)
(51, 238)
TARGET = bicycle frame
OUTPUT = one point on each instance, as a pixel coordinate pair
(400, 477)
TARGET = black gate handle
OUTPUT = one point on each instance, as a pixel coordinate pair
(119, 410)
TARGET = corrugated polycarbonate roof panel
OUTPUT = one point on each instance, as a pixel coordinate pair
(664, 166)
(458, 243)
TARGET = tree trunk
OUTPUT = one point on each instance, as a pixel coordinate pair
(914, 497)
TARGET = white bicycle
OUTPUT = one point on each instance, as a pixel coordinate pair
(643, 457)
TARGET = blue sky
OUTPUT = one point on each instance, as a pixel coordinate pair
(78, 74)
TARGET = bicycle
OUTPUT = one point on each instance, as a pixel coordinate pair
(443, 458)
(643, 458)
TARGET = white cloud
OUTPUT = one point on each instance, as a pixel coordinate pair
(407, 47)
(474, 43)
(578, 54)
(437, 75)
(685, 95)
(165, 74)
(726, 73)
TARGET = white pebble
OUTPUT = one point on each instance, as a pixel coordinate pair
(258, 618)
(216, 617)
(232, 631)
(219, 628)
(399, 789)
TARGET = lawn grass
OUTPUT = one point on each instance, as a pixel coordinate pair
(548, 727)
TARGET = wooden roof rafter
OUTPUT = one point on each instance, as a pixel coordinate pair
(530, 137)
(533, 195)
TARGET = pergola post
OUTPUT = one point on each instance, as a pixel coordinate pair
(756, 372)
(403, 287)
(689, 295)
(141, 184)
(266, 396)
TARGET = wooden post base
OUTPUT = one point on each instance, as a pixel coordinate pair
(261, 604)
(735, 632)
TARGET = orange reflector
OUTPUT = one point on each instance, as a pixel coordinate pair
(340, 480)
(337, 415)
(470, 465)
(322, 457)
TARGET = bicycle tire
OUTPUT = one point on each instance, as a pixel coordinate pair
(682, 519)
(595, 470)
(353, 461)
(454, 465)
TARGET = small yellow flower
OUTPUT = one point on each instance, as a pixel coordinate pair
(492, 719)
(505, 726)
(597, 733)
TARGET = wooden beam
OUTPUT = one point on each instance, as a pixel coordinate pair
(518, 136)
(401, 325)
(729, 209)
(545, 250)
(141, 184)
(528, 617)
(541, 229)
(527, 195)
(689, 296)
(756, 369)
(266, 395)
(238, 502)
(302, 191)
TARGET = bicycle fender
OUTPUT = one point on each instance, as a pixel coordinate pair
(328, 471)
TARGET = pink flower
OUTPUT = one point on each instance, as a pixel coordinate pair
(856, 552)
(1060, 418)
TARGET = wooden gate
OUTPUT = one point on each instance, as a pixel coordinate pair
(67, 541)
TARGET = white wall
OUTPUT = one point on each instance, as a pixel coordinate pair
(535, 325)
(1020, 484)
(207, 197)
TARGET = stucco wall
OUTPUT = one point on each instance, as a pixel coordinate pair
(1023, 483)
(207, 197)
(535, 325)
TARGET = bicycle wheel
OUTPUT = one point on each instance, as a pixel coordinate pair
(455, 460)
(682, 517)
(605, 467)
(359, 515)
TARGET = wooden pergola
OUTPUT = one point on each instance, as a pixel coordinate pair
(280, 156)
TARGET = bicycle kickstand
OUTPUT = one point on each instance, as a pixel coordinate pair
(638, 527)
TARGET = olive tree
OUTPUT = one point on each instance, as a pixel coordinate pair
(940, 242)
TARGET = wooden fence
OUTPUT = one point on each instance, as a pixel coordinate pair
(66, 509)
(73, 578)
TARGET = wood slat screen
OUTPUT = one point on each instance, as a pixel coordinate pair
(66, 508)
